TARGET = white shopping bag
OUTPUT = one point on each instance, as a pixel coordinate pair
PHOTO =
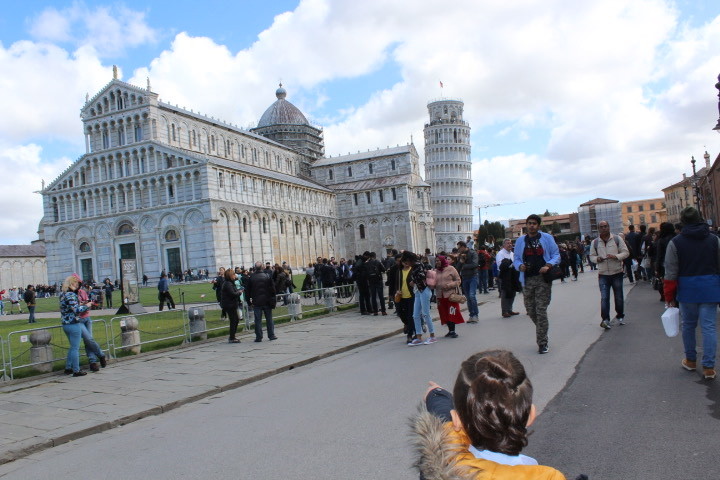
(671, 321)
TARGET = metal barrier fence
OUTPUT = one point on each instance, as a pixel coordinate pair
(2, 357)
(42, 349)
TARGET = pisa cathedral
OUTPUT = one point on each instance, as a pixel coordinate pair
(178, 190)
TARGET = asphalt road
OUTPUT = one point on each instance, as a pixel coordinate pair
(620, 412)
(631, 411)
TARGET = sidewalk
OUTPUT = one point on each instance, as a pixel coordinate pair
(44, 412)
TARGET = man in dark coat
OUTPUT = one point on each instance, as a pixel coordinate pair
(260, 294)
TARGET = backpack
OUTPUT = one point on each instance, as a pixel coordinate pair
(617, 244)
(373, 269)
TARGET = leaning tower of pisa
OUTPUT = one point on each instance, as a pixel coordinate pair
(448, 171)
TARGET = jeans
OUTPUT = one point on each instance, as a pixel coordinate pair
(74, 334)
(31, 310)
(258, 311)
(92, 349)
(469, 286)
(377, 295)
(706, 313)
(421, 308)
(615, 282)
(483, 280)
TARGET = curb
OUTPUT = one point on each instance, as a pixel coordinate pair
(39, 444)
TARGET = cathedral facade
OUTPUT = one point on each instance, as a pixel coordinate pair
(177, 190)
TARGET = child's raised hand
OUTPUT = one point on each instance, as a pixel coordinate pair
(432, 386)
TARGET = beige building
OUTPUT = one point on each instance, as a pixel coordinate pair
(22, 265)
(567, 223)
(650, 212)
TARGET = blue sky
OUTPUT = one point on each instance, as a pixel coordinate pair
(567, 101)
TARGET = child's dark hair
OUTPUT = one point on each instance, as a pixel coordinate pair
(493, 398)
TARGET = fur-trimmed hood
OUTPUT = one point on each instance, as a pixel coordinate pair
(441, 453)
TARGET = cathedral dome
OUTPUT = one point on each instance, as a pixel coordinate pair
(282, 112)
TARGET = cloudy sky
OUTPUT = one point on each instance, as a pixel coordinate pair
(567, 100)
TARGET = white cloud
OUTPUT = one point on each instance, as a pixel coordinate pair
(23, 171)
(108, 30)
(589, 98)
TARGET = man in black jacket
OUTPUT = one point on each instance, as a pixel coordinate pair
(260, 294)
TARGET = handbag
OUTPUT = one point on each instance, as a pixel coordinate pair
(457, 296)
(398, 297)
(554, 273)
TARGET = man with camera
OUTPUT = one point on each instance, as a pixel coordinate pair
(535, 254)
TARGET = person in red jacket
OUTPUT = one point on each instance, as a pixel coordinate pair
(484, 264)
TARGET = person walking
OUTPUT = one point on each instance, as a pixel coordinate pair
(164, 293)
(667, 233)
(421, 304)
(447, 282)
(484, 265)
(108, 290)
(406, 296)
(230, 302)
(509, 278)
(535, 254)
(609, 252)
(360, 273)
(375, 269)
(692, 279)
(217, 286)
(260, 294)
(15, 299)
(468, 268)
(29, 299)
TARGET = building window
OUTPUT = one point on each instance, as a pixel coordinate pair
(355, 197)
(84, 247)
(297, 228)
(641, 208)
(367, 195)
(653, 218)
(282, 227)
(310, 229)
(221, 180)
(125, 228)
(629, 209)
(394, 193)
(380, 194)
(330, 174)
(171, 236)
(642, 219)
(370, 168)
(264, 224)
(652, 206)
(105, 140)
(244, 225)
(212, 142)
(350, 171)
(362, 231)
(392, 164)
(138, 133)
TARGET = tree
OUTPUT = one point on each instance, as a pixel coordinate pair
(494, 229)
(555, 228)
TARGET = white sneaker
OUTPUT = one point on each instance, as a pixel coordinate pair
(430, 341)
(620, 321)
(473, 320)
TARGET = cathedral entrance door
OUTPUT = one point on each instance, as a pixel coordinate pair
(87, 269)
(173, 261)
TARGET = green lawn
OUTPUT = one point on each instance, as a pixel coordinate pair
(194, 293)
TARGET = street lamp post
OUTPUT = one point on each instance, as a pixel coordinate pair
(694, 184)
(717, 85)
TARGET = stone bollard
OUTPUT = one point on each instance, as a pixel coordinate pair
(329, 299)
(130, 335)
(198, 325)
(41, 354)
(294, 306)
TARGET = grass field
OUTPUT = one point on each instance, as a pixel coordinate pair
(193, 293)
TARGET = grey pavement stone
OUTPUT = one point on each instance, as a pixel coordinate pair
(55, 409)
